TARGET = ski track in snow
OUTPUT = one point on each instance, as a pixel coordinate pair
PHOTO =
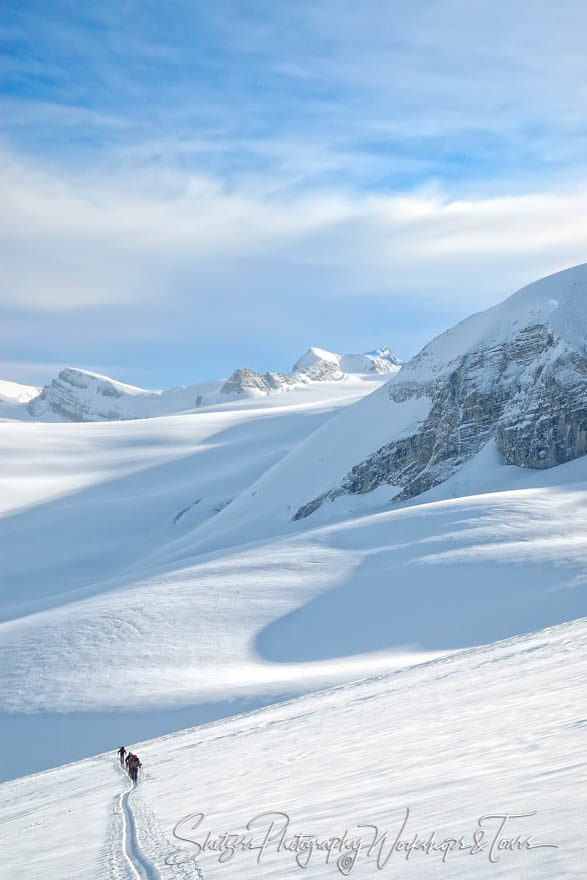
(140, 865)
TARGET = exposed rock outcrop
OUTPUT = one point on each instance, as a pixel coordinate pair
(247, 382)
(520, 378)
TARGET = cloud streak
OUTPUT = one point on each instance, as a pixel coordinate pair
(375, 94)
(216, 182)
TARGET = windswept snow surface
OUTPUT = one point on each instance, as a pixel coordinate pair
(268, 507)
(78, 502)
(168, 642)
(494, 731)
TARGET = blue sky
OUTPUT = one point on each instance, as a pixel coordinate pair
(190, 187)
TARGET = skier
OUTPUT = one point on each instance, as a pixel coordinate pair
(135, 764)
(128, 760)
(121, 754)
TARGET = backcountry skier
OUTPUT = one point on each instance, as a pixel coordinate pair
(121, 754)
(133, 768)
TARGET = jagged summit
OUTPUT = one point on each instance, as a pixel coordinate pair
(386, 354)
(318, 363)
(245, 382)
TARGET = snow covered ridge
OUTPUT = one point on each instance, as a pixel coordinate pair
(82, 396)
(13, 393)
(516, 373)
(316, 365)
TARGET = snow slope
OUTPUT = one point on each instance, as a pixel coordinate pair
(267, 508)
(491, 731)
(166, 641)
(14, 392)
(14, 398)
(79, 502)
(558, 300)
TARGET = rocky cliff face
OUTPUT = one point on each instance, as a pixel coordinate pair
(521, 379)
(553, 426)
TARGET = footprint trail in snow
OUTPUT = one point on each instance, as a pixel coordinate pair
(140, 864)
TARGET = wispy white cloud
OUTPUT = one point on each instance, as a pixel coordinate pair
(380, 94)
(224, 179)
(74, 241)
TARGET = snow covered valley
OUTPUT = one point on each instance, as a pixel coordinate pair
(408, 652)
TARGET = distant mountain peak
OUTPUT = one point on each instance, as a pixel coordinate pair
(315, 365)
(319, 364)
(386, 353)
(80, 395)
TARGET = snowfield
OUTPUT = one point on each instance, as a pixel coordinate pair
(78, 502)
(414, 662)
(491, 731)
(158, 645)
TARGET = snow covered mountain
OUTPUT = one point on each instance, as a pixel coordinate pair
(316, 365)
(82, 396)
(516, 373)
(513, 377)
(319, 364)
(386, 354)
